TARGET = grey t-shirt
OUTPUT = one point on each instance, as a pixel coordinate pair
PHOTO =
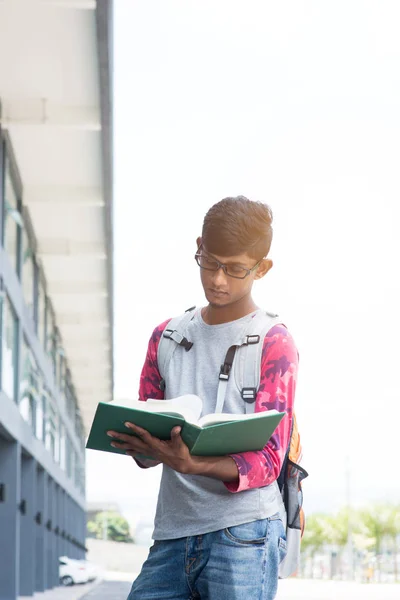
(191, 504)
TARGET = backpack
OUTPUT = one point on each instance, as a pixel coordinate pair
(243, 360)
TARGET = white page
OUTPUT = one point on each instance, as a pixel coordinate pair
(188, 406)
(214, 418)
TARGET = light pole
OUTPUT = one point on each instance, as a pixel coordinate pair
(350, 548)
(105, 525)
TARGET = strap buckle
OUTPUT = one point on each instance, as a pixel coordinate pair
(249, 394)
(172, 334)
(253, 339)
(224, 372)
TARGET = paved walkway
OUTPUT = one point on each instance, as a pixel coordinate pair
(109, 590)
(111, 586)
(303, 589)
(116, 586)
(73, 592)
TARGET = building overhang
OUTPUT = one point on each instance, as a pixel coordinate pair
(56, 98)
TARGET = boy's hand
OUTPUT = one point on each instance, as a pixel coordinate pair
(174, 453)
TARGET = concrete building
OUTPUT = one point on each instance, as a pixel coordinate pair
(56, 281)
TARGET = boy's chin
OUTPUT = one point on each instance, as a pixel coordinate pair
(217, 302)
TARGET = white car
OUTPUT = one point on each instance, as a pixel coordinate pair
(92, 569)
(72, 571)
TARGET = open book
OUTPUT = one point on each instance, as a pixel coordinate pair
(215, 434)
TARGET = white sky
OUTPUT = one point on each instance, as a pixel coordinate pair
(296, 104)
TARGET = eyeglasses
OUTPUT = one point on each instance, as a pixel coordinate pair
(209, 263)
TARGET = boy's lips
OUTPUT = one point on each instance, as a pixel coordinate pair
(217, 292)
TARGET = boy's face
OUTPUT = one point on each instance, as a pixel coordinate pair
(222, 290)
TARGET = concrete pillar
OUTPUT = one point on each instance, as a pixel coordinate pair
(55, 533)
(83, 531)
(68, 519)
(74, 528)
(63, 520)
(81, 535)
(28, 527)
(1, 180)
(49, 534)
(57, 521)
(41, 539)
(77, 529)
(10, 480)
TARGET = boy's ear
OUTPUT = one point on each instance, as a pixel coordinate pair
(198, 242)
(265, 265)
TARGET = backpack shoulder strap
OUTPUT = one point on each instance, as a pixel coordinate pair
(244, 358)
(249, 357)
(172, 337)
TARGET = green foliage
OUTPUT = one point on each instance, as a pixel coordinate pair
(110, 526)
(380, 521)
(338, 527)
(314, 536)
(367, 529)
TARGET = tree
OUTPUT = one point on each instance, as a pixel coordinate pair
(337, 529)
(314, 536)
(110, 526)
(378, 522)
(393, 532)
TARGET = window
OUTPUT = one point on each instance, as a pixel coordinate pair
(9, 349)
(83, 479)
(41, 414)
(59, 361)
(52, 431)
(78, 424)
(41, 319)
(79, 478)
(63, 448)
(51, 340)
(70, 458)
(26, 394)
(31, 391)
(28, 275)
(69, 398)
(61, 368)
(12, 219)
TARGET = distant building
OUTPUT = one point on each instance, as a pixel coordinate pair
(56, 281)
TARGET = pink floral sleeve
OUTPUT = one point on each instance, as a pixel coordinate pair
(277, 387)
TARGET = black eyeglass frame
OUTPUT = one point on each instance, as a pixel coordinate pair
(224, 267)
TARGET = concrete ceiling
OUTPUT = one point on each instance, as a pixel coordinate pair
(55, 91)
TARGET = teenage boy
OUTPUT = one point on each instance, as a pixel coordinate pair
(218, 531)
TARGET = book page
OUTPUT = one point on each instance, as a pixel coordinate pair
(188, 406)
(215, 418)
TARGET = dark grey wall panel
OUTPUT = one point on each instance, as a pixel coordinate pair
(12, 422)
(28, 526)
(10, 479)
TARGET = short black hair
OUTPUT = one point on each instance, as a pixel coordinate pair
(237, 225)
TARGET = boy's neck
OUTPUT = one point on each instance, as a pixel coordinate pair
(215, 315)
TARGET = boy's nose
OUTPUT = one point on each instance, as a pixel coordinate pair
(219, 277)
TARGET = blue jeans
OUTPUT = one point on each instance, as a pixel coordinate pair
(237, 563)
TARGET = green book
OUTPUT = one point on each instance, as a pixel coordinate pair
(215, 434)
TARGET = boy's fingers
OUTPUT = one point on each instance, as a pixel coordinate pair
(176, 435)
(138, 430)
